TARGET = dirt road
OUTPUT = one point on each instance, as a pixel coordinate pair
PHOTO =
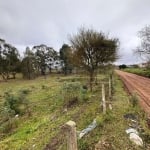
(138, 84)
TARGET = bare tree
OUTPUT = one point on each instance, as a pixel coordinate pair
(144, 48)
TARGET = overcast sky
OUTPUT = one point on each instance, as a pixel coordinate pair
(33, 22)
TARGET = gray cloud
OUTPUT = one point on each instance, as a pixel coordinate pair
(31, 22)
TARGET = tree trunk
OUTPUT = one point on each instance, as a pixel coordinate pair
(91, 80)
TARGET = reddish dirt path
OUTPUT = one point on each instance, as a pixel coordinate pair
(138, 84)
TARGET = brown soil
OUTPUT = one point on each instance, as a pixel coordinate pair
(137, 84)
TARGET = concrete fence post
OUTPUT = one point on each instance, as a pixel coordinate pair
(110, 92)
(103, 99)
(70, 128)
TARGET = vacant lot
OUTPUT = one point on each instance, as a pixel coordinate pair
(51, 106)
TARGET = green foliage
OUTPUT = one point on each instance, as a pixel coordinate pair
(74, 92)
(134, 100)
(102, 119)
(84, 94)
(16, 103)
(8, 125)
(45, 57)
(92, 49)
(71, 91)
(65, 53)
(48, 117)
(139, 71)
(29, 65)
(123, 66)
(9, 60)
(6, 113)
(83, 145)
(11, 102)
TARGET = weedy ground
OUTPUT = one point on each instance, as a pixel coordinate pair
(139, 71)
(42, 129)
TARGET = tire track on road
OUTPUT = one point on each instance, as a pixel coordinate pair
(138, 84)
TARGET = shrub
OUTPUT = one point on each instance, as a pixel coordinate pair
(11, 102)
(9, 125)
(16, 103)
(71, 91)
(134, 100)
(84, 94)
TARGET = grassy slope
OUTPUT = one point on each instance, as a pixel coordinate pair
(48, 116)
(139, 71)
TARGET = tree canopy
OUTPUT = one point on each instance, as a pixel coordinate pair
(65, 54)
(91, 49)
(9, 60)
(45, 57)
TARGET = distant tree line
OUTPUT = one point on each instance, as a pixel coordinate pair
(39, 60)
(89, 50)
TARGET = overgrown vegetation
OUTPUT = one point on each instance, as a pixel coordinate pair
(47, 105)
(139, 71)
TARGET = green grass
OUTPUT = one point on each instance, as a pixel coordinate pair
(139, 71)
(113, 130)
(48, 115)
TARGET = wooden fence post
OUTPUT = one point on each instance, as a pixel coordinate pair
(70, 127)
(103, 99)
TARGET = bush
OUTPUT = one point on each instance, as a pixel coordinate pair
(11, 102)
(9, 125)
(84, 94)
(134, 100)
(73, 93)
(16, 103)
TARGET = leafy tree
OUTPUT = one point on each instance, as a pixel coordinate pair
(65, 53)
(29, 66)
(91, 49)
(9, 60)
(45, 57)
(123, 66)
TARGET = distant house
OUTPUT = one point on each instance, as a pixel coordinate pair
(144, 65)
